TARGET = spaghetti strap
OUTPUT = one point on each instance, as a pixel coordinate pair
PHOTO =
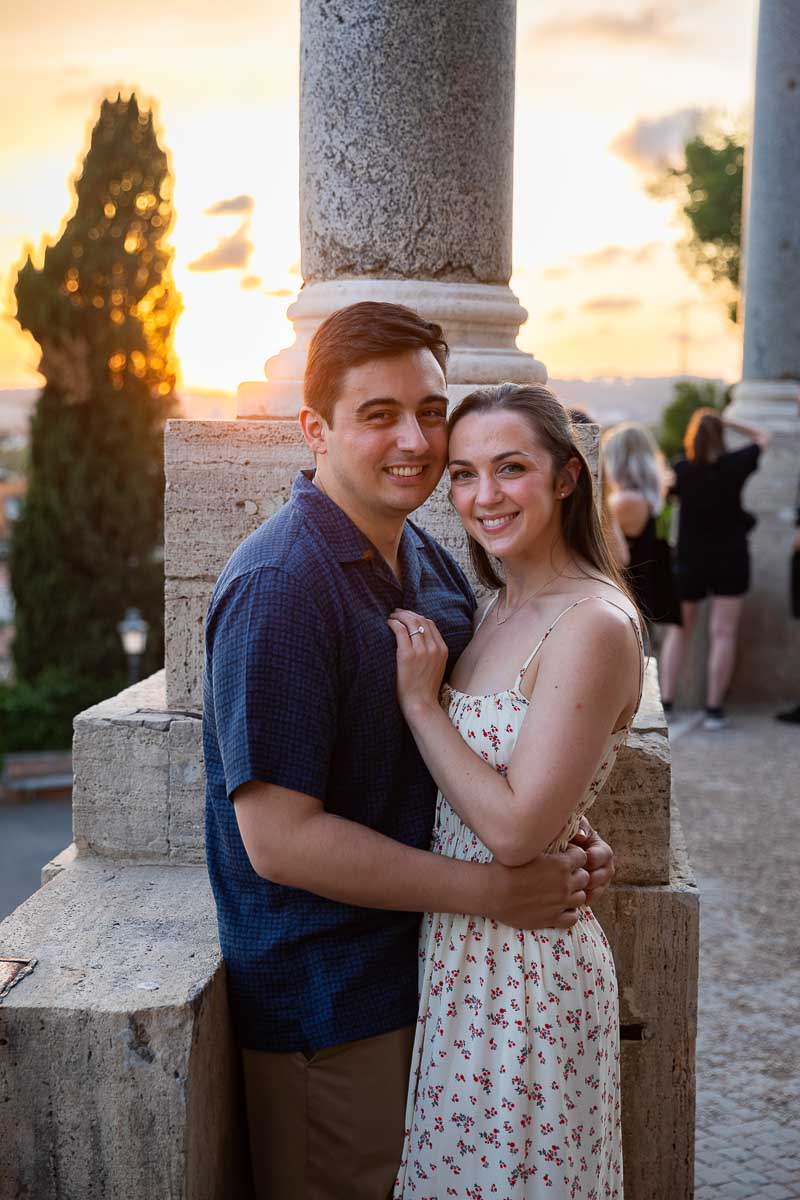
(486, 612)
(563, 613)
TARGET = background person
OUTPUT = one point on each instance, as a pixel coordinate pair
(635, 480)
(515, 1085)
(713, 557)
(615, 538)
(791, 716)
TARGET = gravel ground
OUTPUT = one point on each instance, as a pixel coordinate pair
(739, 797)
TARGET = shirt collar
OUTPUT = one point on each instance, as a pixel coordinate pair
(347, 541)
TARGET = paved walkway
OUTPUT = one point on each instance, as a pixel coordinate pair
(30, 835)
(739, 796)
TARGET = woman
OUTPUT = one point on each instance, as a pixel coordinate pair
(615, 538)
(515, 1076)
(713, 557)
(635, 482)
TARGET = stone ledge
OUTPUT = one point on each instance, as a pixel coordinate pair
(139, 779)
(140, 785)
(115, 1053)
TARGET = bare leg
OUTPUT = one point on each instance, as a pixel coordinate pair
(675, 641)
(723, 627)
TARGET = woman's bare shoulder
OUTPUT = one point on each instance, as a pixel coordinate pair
(618, 605)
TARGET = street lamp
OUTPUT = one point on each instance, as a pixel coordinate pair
(133, 630)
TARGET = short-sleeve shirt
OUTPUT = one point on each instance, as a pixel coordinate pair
(300, 692)
(712, 521)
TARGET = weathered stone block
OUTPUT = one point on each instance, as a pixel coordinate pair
(633, 810)
(654, 935)
(116, 1061)
(139, 781)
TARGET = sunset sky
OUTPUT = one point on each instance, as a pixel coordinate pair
(606, 89)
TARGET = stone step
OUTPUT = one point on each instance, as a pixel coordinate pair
(139, 787)
(116, 1061)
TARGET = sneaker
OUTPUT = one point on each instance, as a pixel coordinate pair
(791, 716)
(714, 719)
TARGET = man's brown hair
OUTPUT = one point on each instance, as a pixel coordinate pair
(354, 335)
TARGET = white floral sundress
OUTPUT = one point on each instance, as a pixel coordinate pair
(514, 1090)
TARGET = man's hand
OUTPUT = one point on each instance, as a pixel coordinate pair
(544, 894)
(599, 860)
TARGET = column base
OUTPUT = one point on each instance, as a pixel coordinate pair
(771, 403)
(480, 323)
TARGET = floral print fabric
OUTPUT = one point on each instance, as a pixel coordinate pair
(514, 1089)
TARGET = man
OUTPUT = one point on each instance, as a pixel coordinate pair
(319, 807)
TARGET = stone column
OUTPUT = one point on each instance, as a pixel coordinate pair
(769, 659)
(406, 174)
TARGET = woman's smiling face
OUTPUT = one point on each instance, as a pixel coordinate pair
(504, 485)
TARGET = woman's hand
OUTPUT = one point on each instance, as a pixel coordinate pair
(421, 660)
(599, 860)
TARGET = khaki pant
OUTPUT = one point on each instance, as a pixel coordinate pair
(329, 1126)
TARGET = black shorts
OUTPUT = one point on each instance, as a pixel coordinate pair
(727, 575)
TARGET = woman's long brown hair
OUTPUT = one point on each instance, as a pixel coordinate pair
(704, 440)
(548, 419)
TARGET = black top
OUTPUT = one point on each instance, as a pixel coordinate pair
(649, 573)
(641, 567)
(712, 520)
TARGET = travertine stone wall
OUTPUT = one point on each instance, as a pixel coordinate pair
(654, 934)
(139, 778)
(116, 1058)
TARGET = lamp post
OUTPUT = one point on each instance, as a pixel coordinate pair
(133, 631)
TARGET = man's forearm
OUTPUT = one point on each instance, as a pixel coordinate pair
(291, 840)
(345, 861)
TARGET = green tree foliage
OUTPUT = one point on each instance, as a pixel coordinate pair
(689, 396)
(709, 190)
(88, 543)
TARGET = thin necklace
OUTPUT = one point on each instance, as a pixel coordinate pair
(527, 599)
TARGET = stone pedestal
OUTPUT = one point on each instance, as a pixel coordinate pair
(769, 659)
(117, 1064)
(480, 323)
(406, 182)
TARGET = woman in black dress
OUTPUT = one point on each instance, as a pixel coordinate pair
(635, 479)
(713, 557)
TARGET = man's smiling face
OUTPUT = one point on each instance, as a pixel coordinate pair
(386, 447)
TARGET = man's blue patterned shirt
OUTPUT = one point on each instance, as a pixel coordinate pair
(300, 692)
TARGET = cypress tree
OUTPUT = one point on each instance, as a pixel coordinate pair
(102, 306)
